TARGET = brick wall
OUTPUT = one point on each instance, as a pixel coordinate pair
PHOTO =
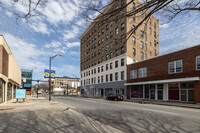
(157, 68)
(197, 92)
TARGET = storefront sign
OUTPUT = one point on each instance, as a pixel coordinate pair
(20, 93)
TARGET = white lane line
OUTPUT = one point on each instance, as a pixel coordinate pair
(161, 111)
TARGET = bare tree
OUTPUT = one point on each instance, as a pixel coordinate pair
(30, 8)
(167, 9)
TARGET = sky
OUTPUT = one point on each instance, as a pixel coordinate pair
(57, 31)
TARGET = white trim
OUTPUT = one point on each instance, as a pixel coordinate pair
(165, 81)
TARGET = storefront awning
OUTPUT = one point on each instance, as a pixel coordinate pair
(165, 81)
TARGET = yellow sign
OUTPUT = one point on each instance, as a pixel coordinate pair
(53, 75)
(46, 74)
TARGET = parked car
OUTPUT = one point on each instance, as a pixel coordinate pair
(116, 97)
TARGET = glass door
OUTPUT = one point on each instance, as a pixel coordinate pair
(184, 95)
(190, 95)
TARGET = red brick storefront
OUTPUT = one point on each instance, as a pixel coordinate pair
(177, 73)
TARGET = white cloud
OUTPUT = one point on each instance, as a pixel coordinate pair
(163, 25)
(72, 44)
(9, 14)
(40, 27)
(26, 54)
(70, 34)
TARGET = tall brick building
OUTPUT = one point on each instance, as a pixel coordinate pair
(171, 77)
(105, 51)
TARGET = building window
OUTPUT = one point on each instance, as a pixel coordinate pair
(141, 45)
(98, 79)
(107, 47)
(107, 37)
(116, 76)
(122, 62)
(122, 26)
(142, 72)
(116, 53)
(150, 30)
(98, 69)
(111, 45)
(106, 67)
(107, 27)
(102, 40)
(134, 18)
(134, 52)
(102, 31)
(155, 52)
(133, 5)
(154, 34)
(116, 31)
(122, 75)
(122, 50)
(141, 34)
(95, 71)
(99, 61)
(116, 64)
(106, 78)
(123, 38)
(133, 40)
(154, 25)
(145, 56)
(101, 79)
(107, 56)
(101, 68)
(94, 80)
(110, 77)
(102, 50)
(111, 34)
(122, 2)
(111, 55)
(133, 74)
(102, 59)
(175, 66)
(110, 66)
(142, 55)
(198, 62)
(116, 41)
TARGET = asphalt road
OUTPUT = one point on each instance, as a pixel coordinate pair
(128, 117)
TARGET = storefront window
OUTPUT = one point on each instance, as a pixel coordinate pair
(152, 91)
(1, 91)
(160, 91)
(9, 91)
(147, 87)
(187, 91)
(137, 91)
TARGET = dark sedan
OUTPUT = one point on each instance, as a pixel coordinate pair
(116, 97)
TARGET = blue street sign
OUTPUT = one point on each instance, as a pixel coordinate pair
(20, 94)
(46, 74)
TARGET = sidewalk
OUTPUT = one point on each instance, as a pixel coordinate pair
(36, 115)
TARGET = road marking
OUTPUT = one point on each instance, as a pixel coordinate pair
(161, 111)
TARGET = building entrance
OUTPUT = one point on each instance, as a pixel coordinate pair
(187, 92)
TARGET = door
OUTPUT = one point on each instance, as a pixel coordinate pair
(184, 95)
(152, 94)
(190, 95)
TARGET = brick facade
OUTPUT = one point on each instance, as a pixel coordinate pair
(158, 71)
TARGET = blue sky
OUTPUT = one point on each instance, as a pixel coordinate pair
(57, 32)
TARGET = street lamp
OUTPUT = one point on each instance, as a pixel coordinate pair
(50, 59)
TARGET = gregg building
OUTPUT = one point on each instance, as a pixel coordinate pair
(105, 51)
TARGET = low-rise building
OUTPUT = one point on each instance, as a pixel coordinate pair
(171, 77)
(10, 73)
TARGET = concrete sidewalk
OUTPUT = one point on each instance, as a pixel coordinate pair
(38, 115)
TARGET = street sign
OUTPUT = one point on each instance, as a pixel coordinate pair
(20, 93)
(46, 74)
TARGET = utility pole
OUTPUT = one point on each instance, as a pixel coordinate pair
(37, 87)
(67, 90)
(49, 78)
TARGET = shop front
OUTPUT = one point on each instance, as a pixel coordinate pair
(180, 91)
